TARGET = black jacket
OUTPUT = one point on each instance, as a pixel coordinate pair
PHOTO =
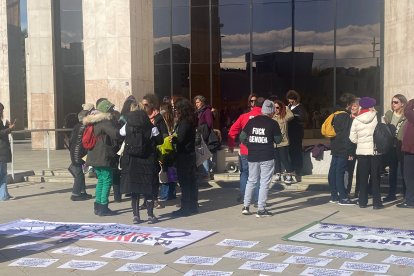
(185, 140)
(5, 151)
(295, 126)
(340, 144)
(77, 151)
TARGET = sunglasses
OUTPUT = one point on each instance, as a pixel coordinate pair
(277, 107)
(395, 102)
(252, 101)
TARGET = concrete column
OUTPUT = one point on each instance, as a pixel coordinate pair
(40, 71)
(398, 49)
(118, 48)
(4, 60)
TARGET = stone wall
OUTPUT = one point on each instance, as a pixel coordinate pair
(398, 49)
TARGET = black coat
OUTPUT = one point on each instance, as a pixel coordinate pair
(77, 151)
(5, 151)
(340, 144)
(295, 126)
(138, 175)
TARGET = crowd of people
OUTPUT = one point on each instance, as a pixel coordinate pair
(149, 147)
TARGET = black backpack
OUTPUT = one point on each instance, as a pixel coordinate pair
(384, 137)
(138, 142)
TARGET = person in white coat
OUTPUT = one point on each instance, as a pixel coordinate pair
(369, 161)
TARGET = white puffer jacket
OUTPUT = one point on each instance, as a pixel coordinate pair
(362, 132)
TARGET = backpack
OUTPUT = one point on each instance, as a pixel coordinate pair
(89, 138)
(138, 143)
(327, 128)
(384, 137)
(213, 141)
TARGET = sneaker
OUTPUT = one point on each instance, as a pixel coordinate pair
(333, 201)
(86, 195)
(136, 220)
(263, 213)
(152, 219)
(345, 202)
(246, 211)
(11, 197)
(78, 198)
(278, 178)
(389, 198)
(288, 179)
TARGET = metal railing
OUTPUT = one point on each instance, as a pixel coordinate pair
(47, 134)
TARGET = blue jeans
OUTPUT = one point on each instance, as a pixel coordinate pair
(167, 191)
(244, 175)
(259, 172)
(4, 194)
(339, 165)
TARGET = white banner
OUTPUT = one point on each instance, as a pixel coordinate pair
(355, 236)
(104, 232)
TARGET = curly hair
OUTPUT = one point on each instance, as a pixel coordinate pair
(293, 95)
(186, 110)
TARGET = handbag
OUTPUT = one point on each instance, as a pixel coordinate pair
(202, 153)
(163, 176)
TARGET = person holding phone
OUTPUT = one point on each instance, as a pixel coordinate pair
(5, 154)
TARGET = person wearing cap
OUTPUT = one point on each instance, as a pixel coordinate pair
(101, 155)
(369, 162)
(259, 135)
(77, 152)
(5, 155)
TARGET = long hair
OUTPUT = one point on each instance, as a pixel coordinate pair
(186, 110)
(282, 110)
(402, 99)
(249, 98)
(167, 113)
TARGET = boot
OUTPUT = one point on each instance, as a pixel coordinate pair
(150, 210)
(117, 193)
(96, 209)
(105, 211)
(135, 211)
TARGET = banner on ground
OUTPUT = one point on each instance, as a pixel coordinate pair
(355, 236)
(104, 232)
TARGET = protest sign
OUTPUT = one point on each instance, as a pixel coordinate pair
(83, 265)
(294, 249)
(307, 260)
(319, 271)
(238, 243)
(343, 254)
(396, 260)
(124, 254)
(143, 268)
(355, 236)
(194, 272)
(197, 260)
(236, 254)
(104, 232)
(74, 250)
(269, 267)
(33, 262)
(368, 267)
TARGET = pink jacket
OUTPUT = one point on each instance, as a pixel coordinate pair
(238, 126)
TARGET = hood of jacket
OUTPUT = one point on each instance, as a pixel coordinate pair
(138, 118)
(367, 117)
(96, 118)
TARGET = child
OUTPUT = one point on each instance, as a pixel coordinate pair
(77, 152)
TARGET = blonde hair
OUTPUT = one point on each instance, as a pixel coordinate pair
(137, 106)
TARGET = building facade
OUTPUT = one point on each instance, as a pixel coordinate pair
(75, 51)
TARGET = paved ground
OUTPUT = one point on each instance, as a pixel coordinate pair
(218, 212)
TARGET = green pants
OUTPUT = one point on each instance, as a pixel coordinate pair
(103, 186)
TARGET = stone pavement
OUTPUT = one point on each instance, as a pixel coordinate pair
(219, 212)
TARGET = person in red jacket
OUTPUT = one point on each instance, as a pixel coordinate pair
(234, 132)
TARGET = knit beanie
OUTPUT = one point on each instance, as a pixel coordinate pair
(367, 102)
(268, 107)
(105, 106)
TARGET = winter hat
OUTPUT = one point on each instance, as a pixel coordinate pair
(87, 106)
(105, 106)
(367, 102)
(268, 107)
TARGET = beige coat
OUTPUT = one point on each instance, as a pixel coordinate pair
(362, 132)
(283, 124)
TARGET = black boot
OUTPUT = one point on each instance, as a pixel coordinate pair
(96, 210)
(117, 193)
(150, 210)
(105, 211)
(135, 211)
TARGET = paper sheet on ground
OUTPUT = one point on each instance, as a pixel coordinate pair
(197, 260)
(294, 249)
(236, 254)
(342, 254)
(74, 250)
(124, 254)
(397, 260)
(262, 266)
(143, 268)
(307, 260)
(83, 265)
(34, 246)
(368, 267)
(238, 243)
(194, 272)
(104, 232)
(33, 262)
(319, 271)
